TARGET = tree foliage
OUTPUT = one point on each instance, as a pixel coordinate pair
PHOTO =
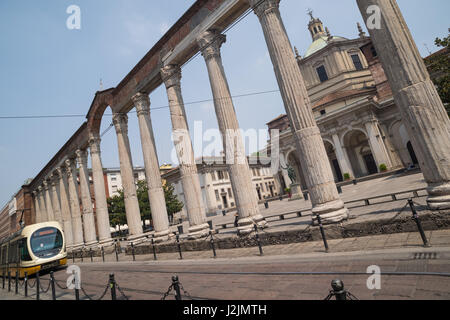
(116, 204)
(439, 67)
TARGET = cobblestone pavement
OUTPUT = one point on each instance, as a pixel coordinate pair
(227, 276)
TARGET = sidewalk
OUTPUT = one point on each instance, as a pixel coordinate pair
(437, 238)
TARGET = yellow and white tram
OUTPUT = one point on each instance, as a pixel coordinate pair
(34, 248)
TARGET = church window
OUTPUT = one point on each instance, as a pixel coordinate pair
(357, 62)
(323, 76)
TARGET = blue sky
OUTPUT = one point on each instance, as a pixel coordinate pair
(47, 69)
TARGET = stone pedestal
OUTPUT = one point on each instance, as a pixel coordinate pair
(415, 95)
(296, 192)
(245, 196)
(311, 150)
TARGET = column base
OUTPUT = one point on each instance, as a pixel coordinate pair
(296, 192)
(330, 212)
(199, 231)
(106, 242)
(91, 244)
(77, 246)
(135, 239)
(246, 225)
(439, 196)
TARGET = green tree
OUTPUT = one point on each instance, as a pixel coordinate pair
(116, 204)
(439, 68)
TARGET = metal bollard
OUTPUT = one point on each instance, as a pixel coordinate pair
(9, 281)
(90, 252)
(132, 252)
(261, 253)
(154, 249)
(38, 285)
(355, 182)
(176, 286)
(77, 286)
(3, 279)
(306, 196)
(339, 189)
(319, 220)
(25, 283)
(224, 213)
(81, 255)
(419, 224)
(179, 247)
(281, 198)
(73, 257)
(52, 283)
(112, 283)
(17, 283)
(103, 254)
(338, 290)
(266, 204)
(115, 249)
(210, 223)
(213, 246)
(180, 229)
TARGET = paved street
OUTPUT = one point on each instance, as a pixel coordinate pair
(227, 276)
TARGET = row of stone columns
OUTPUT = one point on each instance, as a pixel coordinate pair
(61, 201)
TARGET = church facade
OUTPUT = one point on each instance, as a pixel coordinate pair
(354, 109)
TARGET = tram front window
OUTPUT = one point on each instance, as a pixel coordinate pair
(46, 242)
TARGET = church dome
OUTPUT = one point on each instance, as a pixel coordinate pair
(321, 43)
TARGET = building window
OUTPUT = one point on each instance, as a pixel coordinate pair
(323, 76)
(357, 62)
(220, 174)
(217, 195)
(230, 195)
(315, 30)
(213, 176)
(113, 179)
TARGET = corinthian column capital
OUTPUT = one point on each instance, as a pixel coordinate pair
(171, 75)
(70, 166)
(142, 103)
(261, 7)
(120, 121)
(210, 43)
(94, 144)
(82, 157)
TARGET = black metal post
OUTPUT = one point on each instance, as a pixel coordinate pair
(52, 283)
(77, 284)
(38, 285)
(81, 255)
(419, 224)
(3, 279)
(176, 286)
(213, 246)
(103, 254)
(73, 256)
(112, 283)
(115, 249)
(179, 247)
(319, 220)
(266, 204)
(90, 252)
(339, 188)
(25, 283)
(154, 249)
(9, 281)
(261, 253)
(17, 283)
(306, 196)
(132, 252)
(338, 290)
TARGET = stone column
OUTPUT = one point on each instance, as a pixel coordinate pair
(134, 222)
(48, 201)
(90, 236)
(77, 225)
(153, 175)
(55, 200)
(310, 147)
(101, 205)
(422, 110)
(377, 144)
(37, 207)
(342, 157)
(65, 206)
(195, 208)
(41, 200)
(241, 180)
